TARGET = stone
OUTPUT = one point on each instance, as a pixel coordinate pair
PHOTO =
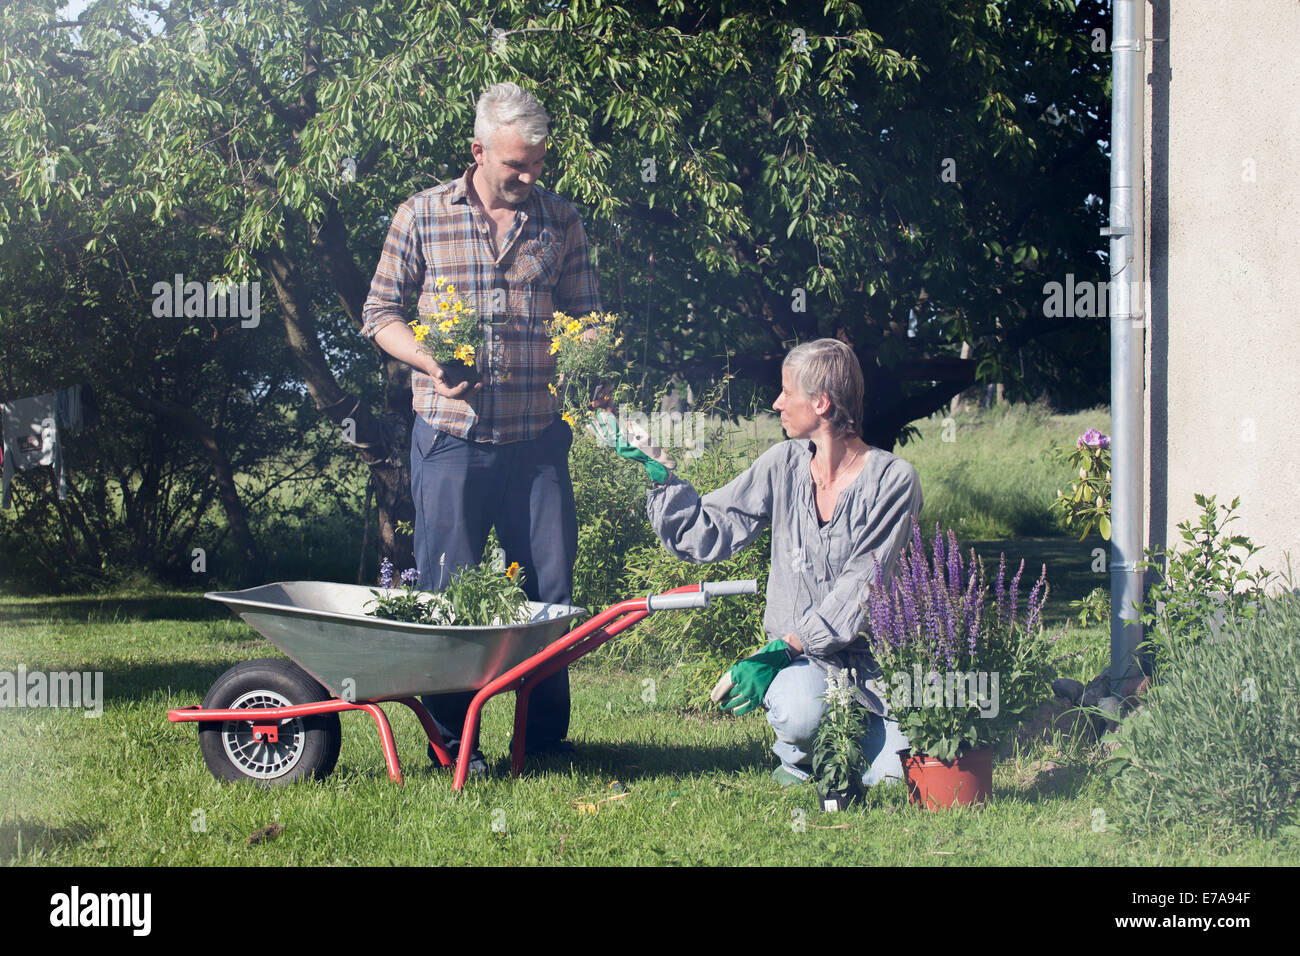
(1067, 689)
(1113, 707)
(1097, 688)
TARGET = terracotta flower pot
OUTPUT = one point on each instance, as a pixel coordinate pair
(937, 783)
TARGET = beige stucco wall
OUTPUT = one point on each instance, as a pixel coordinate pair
(1223, 331)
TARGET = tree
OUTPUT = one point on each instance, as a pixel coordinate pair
(752, 174)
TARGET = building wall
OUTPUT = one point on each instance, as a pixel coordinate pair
(1223, 331)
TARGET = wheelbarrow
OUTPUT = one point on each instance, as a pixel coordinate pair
(275, 721)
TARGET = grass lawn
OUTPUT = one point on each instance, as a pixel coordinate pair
(651, 782)
(128, 788)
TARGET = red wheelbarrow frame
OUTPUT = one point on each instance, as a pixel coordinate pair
(521, 678)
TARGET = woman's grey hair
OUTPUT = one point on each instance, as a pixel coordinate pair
(829, 367)
(507, 104)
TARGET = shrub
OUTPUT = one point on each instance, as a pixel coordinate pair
(610, 495)
(704, 643)
(1201, 583)
(1219, 737)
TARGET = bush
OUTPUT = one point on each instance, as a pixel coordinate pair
(700, 644)
(1219, 738)
(610, 495)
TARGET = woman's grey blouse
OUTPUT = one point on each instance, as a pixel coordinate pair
(818, 583)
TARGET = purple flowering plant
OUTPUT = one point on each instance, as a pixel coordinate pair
(962, 661)
(1085, 504)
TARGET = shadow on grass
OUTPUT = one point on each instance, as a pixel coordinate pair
(20, 838)
(113, 610)
(632, 761)
(181, 678)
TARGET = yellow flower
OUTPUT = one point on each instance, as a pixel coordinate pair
(569, 418)
(443, 305)
(439, 282)
(446, 325)
(559, 317)
(555, 346)
(451, 289)
(551, 386)
(465, 353)
(459, 306)
(572, 327)
(421, 331)
(512, 570)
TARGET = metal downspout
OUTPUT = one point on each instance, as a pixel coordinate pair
(1127, 310)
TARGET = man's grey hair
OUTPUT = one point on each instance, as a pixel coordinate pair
(507, 104)
(829, 367)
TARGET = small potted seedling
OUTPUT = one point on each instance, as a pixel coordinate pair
(838, 760)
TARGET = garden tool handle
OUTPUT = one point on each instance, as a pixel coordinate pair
(720, 588)
(701, 598)
(671, 602)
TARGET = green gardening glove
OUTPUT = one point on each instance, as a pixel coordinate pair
(639, 448)
(743, 687)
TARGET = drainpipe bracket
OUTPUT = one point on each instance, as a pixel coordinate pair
(1122, 566)
(1117, 231)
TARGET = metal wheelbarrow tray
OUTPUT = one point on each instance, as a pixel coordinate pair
(274, 721)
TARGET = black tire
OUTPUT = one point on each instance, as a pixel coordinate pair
(308, 746)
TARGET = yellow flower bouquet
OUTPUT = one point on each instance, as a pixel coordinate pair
(451, 334)
(585, 358)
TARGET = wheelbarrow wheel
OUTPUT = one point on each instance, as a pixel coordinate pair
(307, 746)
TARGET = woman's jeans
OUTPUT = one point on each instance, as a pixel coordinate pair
(795, 702)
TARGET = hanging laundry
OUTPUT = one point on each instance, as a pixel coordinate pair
(69, 413)
(31, 437)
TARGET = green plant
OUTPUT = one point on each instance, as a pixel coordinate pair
(704, 643)
(610, 500)
(1095, 606)
(452, 333)
(838, 760)
(1218, 739)
(1201, 582)
(1087, 503)
(477, 595)
(586, 361)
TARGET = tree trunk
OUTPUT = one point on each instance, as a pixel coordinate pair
(383, 442)
(222, 472)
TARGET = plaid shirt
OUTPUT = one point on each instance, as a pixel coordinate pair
(543, 267)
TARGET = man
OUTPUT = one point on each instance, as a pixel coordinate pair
(492, 454)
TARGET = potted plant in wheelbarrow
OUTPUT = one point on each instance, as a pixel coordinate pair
(962, 664)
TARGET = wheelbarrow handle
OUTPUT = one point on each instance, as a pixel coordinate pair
(701, 598)
(719, 588)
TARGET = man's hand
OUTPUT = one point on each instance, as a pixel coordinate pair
(461, 391)
(634, 445)
(397, 339)
(743, 687)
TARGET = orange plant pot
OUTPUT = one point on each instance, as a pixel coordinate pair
(936, 784)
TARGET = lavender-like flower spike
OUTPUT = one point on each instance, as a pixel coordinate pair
(1000, 591)
(911, 617)
(879, 600)
(971, 608)
(409, 576)
(385, 573)
(1035, 603)
(939, 559)
(954, 563)
(1015, 593)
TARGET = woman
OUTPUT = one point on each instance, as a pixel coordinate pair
(838, 507)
